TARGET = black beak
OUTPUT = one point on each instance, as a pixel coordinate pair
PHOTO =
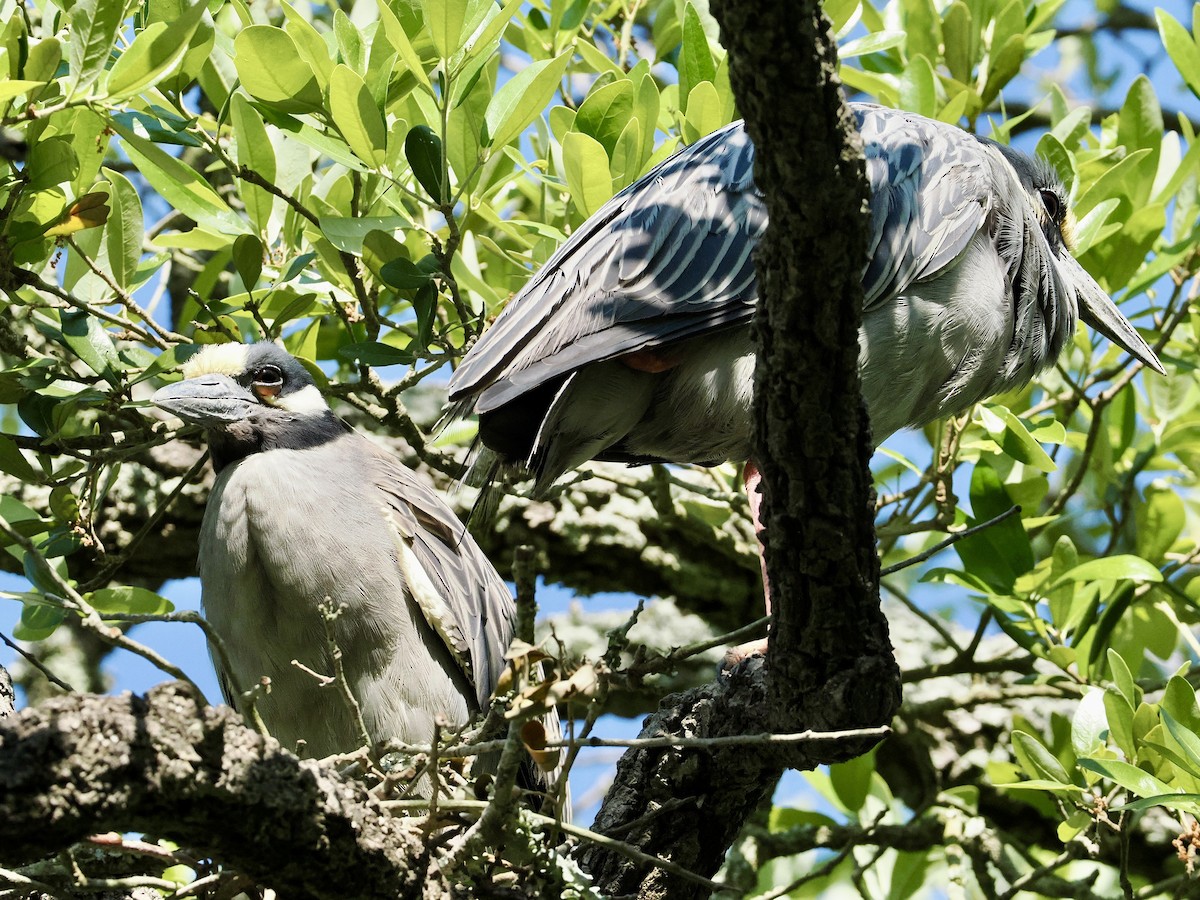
(212, 401)
(1097, 309)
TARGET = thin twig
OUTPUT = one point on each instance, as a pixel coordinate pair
(150, 524)
(215, 642)
(729, 740)
(161, 338)
(329, 614)
(618, 847)
(37, 664)
(71, 599)
(953, 539)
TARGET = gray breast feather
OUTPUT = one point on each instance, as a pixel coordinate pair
(317, 520)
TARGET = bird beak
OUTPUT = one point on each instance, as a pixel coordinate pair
(1097, 309)
(212, 401)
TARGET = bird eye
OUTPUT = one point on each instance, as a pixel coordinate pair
(267, 382)
(1052, 203)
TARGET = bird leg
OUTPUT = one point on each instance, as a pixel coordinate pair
(752, 478)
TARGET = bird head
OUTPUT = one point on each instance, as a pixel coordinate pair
(1048, 197)
(248, 398)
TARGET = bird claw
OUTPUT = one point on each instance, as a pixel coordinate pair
(736, 657)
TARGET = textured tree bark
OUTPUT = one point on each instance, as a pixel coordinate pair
(830, 663)
(165, 765)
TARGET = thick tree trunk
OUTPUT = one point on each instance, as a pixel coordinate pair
(830, 664)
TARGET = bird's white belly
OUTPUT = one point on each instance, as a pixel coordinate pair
(264, 515)
(924, 355)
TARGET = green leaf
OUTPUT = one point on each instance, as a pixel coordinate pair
(38, 622)
(1181, 47)
(404, 274)
(1003, 67)
(1160, 520)
(395, 35)
(357, 117)
(1119, 714)
(1122, 677)
(586, 172)
(923, 26)
(254, 151)
(707, 511)
(154, 54)
(271, 69)
(1089, 723)
(851, 780)
(695, 58)
(606, 112)
(1141, 119)
(93, 31)
(1037, 760)
(959, 35)
(521, 99)
(312, 47)
(1179, 700)
(15, 88)
(180, 185)
(871, 43)
(1128, 776)
(52, 162)
(626, 156)
(248, 259)
(918, 87)
(1088, 228)
(423, 150)
(1180, 801)
(14, 463)
(89, 341)
(348, 233)
(375, 353)
(1187, 740)
(1001, 552)
(445, 20)
(704, 111)
(124, 230)
(1014, 438)
(332, 147)
(127, 599)
(1122, 567)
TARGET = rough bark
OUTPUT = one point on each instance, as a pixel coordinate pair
(8, 697)
(830, 664)
(166, 765)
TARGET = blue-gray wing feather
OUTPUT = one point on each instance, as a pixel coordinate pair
(671, 256)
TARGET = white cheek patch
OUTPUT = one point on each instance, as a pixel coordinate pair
(307, 401)
(217, 359)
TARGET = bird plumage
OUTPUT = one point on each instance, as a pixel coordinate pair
(304, 509)
(632, 343)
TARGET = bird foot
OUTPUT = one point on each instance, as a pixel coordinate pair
(737, 656)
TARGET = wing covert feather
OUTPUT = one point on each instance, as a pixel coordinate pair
(670, 256)
(471, 608)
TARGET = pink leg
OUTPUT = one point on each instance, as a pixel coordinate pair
(752, 478)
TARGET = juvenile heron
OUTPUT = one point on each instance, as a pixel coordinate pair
(633, 344)
(306, 512)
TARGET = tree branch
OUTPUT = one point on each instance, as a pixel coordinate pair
(166, 765)
(830, 664)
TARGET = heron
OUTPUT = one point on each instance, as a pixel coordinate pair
(633, 343)
(323, 557)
